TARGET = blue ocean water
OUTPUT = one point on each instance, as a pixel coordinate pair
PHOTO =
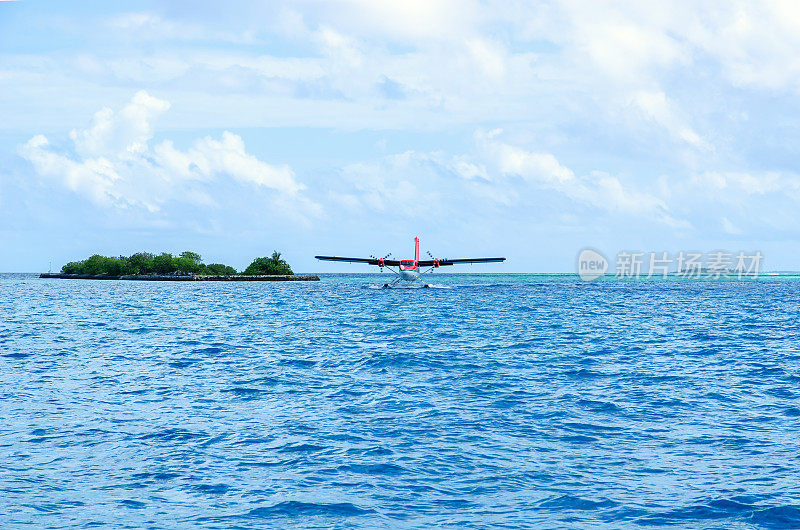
(491, 401)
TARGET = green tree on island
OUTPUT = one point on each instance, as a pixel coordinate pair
(142, 263)
(272, 265)
(218, 269)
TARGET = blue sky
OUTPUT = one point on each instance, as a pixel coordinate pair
(523, 129)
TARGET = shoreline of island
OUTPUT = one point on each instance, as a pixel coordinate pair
(187, 277)
(187, 266)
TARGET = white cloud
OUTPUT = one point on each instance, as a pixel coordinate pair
(393, 184)
(598, 189)
(142, 22)
(113, 163)
(465, 168)
(657, 107)
(339, 47)
(624, 41)
(489, 56)
(227, 156)
(755, 42)
(496, 174)
(148, 26)
(753, 183)
(411, 21)
(94, 178)
(443, 53)
(418, 187)
(737, 202)
(729, 227)
(123, 135)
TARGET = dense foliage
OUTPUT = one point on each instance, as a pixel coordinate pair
(271, 265)
(183, 264)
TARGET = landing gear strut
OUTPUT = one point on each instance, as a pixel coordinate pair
(394, 282)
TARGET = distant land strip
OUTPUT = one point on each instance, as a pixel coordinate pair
(187, 266)
(188, 277)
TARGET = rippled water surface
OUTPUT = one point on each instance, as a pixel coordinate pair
(494, 401)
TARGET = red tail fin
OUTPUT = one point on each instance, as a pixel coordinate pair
(416, 249)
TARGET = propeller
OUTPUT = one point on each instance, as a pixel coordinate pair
(380, 260)
(435, 260)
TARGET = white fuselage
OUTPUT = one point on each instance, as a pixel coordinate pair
(409, 275)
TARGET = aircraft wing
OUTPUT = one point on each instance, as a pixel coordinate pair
(444, 262)
(368, 261)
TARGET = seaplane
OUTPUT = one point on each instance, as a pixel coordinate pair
(410, 270)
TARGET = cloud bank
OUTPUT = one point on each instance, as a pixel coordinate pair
(556, 118)
(112, 162)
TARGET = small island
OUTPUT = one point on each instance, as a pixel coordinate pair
(187, 266)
